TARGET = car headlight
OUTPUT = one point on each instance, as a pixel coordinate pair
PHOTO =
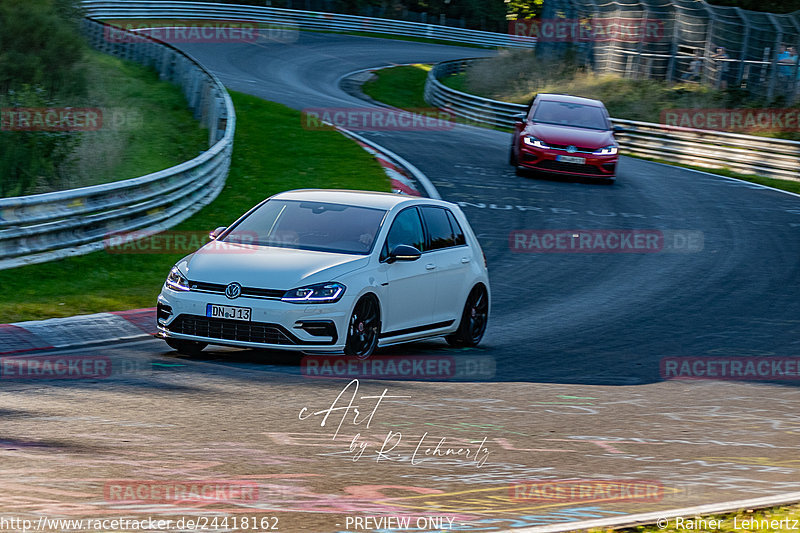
(177, 281)
(533, 141)
(608, 150)
(315, 294)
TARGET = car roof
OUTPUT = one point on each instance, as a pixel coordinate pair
(380, 200)
(568, 99)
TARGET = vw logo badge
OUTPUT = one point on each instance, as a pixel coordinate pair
(571, 149)
(233, 290)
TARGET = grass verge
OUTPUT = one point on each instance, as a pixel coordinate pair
(146, 124)
(403, 87)
(272, 153)
(518, 75)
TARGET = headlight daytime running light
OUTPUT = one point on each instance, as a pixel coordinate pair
(315, 294)
(177, 281)
(607, 150)
(533, 141)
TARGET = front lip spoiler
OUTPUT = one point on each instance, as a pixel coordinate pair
(165, 334)
(566, 173)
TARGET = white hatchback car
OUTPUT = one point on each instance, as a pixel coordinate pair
(331, 271)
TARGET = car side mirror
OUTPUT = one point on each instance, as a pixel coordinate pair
(519, 117)
(404, 252)
(616, 128)
(217, 232)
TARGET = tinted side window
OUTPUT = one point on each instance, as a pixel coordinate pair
(441, 234)
(457, 232)
(406, 229)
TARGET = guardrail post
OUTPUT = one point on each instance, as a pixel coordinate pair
(211, 120)
(222, 118)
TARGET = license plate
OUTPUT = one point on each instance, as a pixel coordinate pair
(228, 311)
(570, 159)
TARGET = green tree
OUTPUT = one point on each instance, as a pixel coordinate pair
(40, 46)
(524, 9)
(40, 66)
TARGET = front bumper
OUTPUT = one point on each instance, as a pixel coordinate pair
(595, 166)
(273, 323)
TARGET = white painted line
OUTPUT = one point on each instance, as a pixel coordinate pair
(719, 176)
(653, 517)
(733, 179)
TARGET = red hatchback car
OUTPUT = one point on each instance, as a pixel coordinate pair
(565, 135)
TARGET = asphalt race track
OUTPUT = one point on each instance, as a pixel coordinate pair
(611, 316)
(569, 381)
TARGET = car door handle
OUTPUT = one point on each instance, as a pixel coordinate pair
(430, 266)
(465, 259)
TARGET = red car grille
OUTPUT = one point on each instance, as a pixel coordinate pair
(577, 168)
(564, 147)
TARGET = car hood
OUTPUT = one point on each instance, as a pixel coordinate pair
(566, 135)
(267, 267)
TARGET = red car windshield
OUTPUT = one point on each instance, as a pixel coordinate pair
(570, 114)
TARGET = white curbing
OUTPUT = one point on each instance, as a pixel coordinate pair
(74, 331)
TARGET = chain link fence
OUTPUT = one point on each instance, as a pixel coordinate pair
(687, 41)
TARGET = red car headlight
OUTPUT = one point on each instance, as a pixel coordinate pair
(608, 150)
(530, 140)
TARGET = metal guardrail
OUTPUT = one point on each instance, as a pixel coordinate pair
(44, 227)
(745, 154)
(308, 20)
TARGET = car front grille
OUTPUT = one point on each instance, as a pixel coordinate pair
(252, 292)
(578, 148)
(233, 330)
(559, 166)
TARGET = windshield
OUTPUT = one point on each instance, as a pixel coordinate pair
(570, 114)
(318, 226)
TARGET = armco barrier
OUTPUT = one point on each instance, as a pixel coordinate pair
(746, 154)
(44, 227)
(309, 20)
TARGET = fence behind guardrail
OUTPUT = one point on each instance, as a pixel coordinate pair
(686, 40)
(44, 227)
